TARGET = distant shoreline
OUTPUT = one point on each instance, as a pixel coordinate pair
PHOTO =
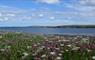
(66, 26)
(63, 26)
(41, 34)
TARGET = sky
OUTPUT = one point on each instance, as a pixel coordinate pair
(46, 12)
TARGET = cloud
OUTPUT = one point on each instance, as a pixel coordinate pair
(78, 16)
(82, 5)
(87, 2)
(49, 1)
(41, 15)
(0, 14)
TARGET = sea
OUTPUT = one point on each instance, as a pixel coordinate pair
(60, 31)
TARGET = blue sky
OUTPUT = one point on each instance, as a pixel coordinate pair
(46, 12)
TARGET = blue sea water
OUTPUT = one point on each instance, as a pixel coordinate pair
(62, 31)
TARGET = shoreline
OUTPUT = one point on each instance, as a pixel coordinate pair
(48, 33)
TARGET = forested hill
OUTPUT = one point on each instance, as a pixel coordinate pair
(77, 26)
(66, 26)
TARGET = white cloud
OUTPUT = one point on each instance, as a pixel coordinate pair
(52, 18)
(4, 19)
(12, 15)
(41, 15)
(82, 5)
(49, 1)
(0, 14)
(66, 17)
(87, 2)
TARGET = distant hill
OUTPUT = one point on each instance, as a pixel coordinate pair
(66, 26)
(77, 26)
(62, 26)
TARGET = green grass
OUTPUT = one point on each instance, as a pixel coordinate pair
(18, 43)
(14, 45)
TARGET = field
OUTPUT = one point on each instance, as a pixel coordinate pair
(24, 46)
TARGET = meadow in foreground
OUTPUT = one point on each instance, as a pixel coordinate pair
(23, 46)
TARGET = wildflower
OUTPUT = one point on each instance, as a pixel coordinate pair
(18, 32)
(38, 43)
(60, 54)
(63, 40)
(75, 38)
(1, 37)
(58, 58)
(35, 45)
(48, 48)
(75, 48)
(61, 45)
(47, 40)
(28, 47)
(25, 54)
(34, 54)
(31, 40)
(89, 50)
(8, 46)
(66, 40)
(85, 40)
(76, 42)
(57, 48)
(69, 45)
(2, 50)
(59, 40)
(66, 50)
(43, 47)
(43, 56)
(62, 51)
(38, 50)
(37, 58)
(52, 53)
(93, 57)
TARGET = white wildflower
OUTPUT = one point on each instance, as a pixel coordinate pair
(2, 50)
(47, 40)
(43, 56)
(66, 50)
(60, 54)
(8, 46)
(76, 42)
(66, 40)
(61, 45)
(43, 46)
(57, 48)
(93, 57)
(25, 54)
(52, 53)
(75, 48)
(69, 45)
(35, 45)
(59, 40)
(62, 51)
(1, 37)
(48, 48)
(58, 58)
(38, 50)
(89, 50)
(28, 47)
(38, 43)
(31, 40)
(75, 38)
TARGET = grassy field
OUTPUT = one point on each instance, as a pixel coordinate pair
(23, 46)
